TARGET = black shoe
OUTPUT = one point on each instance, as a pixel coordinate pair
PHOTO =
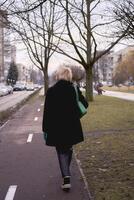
(66, 183)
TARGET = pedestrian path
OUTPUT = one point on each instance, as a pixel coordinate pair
(121, 95)
(29, 168)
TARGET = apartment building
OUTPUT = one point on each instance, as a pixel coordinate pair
(105, 66)
(7, 51)
(3, 19)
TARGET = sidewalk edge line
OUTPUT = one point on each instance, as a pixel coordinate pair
(83, 176)
(1, 127)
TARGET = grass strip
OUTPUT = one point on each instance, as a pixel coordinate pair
(109, 113)
(108, 164)
(107, 158)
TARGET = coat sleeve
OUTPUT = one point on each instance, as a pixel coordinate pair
(82, 98)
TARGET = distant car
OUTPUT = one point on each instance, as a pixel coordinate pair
(18, 87)
(29, 87)
(109, 84)
(128, 83)
(3, 89)
(36, 86)
(120, 85)
(10, 89)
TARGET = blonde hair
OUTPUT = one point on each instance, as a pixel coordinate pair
(63, 73)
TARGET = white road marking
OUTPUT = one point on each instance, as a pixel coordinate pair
(42, 104)
(38, 110)
(22, 108)
(11, 192)
(36, 118)
(30, 138)
(4, 124)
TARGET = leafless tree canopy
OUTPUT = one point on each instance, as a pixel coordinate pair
(124, 14)
(84, 20)
(90, 27)
(20, 6)
(76, 29)
(36, 29)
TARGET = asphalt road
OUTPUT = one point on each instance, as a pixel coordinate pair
(29, 169)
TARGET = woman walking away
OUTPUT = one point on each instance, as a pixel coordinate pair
(61, 120)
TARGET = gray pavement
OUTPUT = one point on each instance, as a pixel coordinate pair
(10, 101)
(28, 165)
(121, 95)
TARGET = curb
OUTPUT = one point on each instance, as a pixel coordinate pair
(83, 176)
(12, 109)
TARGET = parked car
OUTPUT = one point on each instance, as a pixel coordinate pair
(10, 89)
(128, 83)
(109, 84)
(3, 89)
(19, 87)
(36, 86)
(30, 87)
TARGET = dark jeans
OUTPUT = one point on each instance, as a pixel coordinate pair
(64, 157)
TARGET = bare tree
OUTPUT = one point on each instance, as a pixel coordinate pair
(124, 14)
(36, 29)
(87, 31)
(3, 3)
(30, 6)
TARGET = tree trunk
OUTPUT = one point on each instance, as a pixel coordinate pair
(89, 73)
(45, 81)
(89, 84)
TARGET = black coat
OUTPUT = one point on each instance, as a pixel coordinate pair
(61, 115)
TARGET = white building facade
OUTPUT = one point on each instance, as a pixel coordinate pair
(105, 66)
(7, 51)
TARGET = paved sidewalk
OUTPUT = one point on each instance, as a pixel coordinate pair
(11, 101)
(32, 166)
(121, 95)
